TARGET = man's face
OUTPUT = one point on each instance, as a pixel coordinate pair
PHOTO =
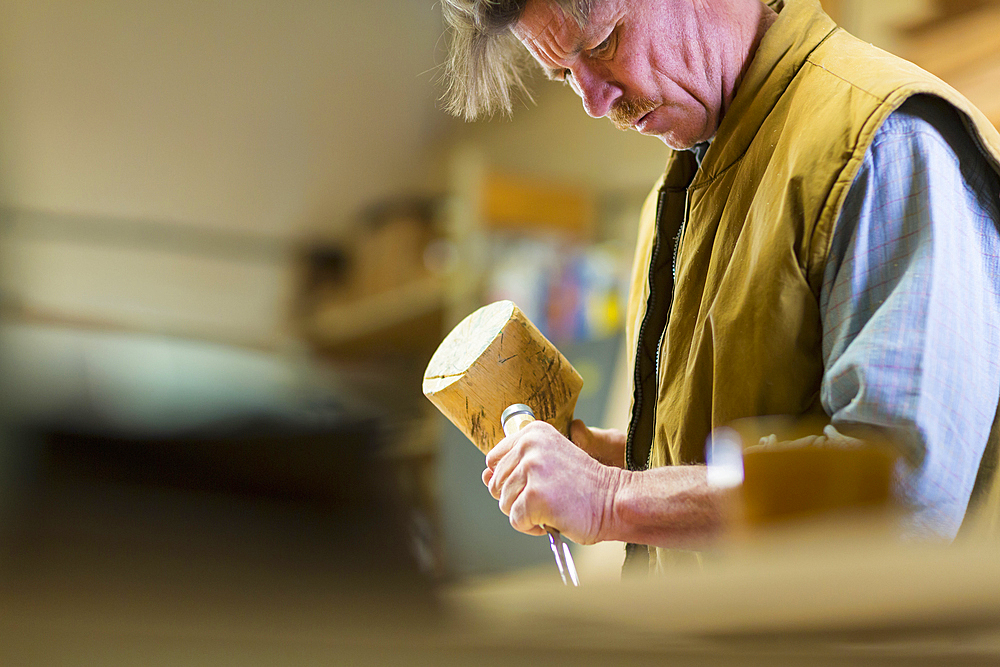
(645, 64)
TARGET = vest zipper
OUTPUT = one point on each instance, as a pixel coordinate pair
(651, 299)
(637, 379)
(680, 236)
(659, 349)
(663, 334)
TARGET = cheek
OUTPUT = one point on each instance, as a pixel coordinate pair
(656, 54)
(654, 74)
(637, 77)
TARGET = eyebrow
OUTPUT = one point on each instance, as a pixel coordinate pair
(555, 73)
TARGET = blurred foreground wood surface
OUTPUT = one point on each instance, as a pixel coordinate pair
(795, 602)
(277, 542)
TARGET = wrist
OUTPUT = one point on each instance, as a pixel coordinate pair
(670, 507)
(619, 491)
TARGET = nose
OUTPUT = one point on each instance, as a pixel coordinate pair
(597, 90)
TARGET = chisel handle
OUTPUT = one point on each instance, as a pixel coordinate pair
(513, 419)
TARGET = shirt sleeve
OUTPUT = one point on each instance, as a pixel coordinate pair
(910, 307)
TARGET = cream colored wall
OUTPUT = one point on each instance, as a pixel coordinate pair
(270, 117)
(274, 120)
(877, 22)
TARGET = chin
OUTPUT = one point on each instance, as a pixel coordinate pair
(681, 139)
(676, 142)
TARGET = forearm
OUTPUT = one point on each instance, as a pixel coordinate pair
(671, 507)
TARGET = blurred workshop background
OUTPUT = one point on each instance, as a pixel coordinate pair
(254, 212)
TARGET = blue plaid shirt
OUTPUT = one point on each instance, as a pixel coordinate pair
(911, 306)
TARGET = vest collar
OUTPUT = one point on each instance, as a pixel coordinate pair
(801, 27)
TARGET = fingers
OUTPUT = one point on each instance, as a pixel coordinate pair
(520, 517)
(519, 467)
(511, 490)
(492, 460)
(500, 450)
(521, 525)
(503, 458)
(505, 467)
(511, 494)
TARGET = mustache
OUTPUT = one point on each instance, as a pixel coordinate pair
(626, 112)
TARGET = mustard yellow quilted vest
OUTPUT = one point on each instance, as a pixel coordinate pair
(738, 292)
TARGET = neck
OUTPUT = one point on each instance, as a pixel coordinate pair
(758, 19)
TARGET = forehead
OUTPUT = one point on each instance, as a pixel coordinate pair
(545, 22)
(554, 37)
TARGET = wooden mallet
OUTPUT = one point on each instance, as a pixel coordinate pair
(494, 359)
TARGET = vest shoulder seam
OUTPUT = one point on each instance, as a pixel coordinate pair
(850, 83)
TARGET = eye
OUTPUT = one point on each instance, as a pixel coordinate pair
(559, 75)
(606, 49)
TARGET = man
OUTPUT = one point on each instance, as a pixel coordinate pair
(824, 241)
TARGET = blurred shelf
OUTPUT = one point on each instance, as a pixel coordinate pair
(15, 313)
(405, 319)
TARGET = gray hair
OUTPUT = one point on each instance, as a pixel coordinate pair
(486, 63)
